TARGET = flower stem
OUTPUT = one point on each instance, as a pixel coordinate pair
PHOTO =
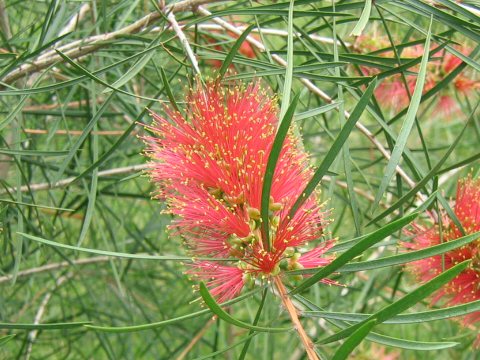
(287, 303)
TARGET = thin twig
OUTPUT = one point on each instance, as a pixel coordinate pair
(470, 8)
(186, 45)
(75, 19)
(263, 31)
(55, 266)
(72, 104)
(85, 46)
(67, 181)
(139, 167)
(4, 160)
(4, 21)
(359, 191)
(196, 338)
(444, 178)
(32, 335)
(292, 311)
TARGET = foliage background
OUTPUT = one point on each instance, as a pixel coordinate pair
(71, 168)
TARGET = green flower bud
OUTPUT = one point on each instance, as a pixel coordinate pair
(253, 213)
(242, 265)
(253, 224)
(275, 221)
(276, 270)
(296, 256)
(275, 206)
(284, 264)
(234, 240)
(289, 252)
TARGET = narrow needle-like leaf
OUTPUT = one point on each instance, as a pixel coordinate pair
(408, 123)
(335, 149)
(217, 310)
(270, 169)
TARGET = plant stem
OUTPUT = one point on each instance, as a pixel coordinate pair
(292, 311)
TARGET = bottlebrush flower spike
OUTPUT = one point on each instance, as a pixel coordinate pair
(209, 166)
(466, 286)
(392, 91)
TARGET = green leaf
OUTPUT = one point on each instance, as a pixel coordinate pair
(302, 71)
(433, 172)
(260, 10)
(69, 83)
(168, 90)
(335, 149)
(52, 326)
(18, 106)
(8, 55)
(461, 10)
(33, 153)
(314, 112)
(108, 153)
(78, 143)
(418, 317)
(126, 135)
(134, 328)
(410, 256)
(255, 322)
(410, 344)
(5, 339)
(467, 59)
(217, 310)
(386, 340)
(363, 20)
(92, 193)
(34, 205)
(352, 342)
(246, 339)
(347, 166)
(287, 86)
(401, 258)
(373, 61)
(270, 169)
(113, 253)
(451, 214)
(136, 67)
(47, 22)
(460, 164)
(355, 250)
(404, 303)
(462, 26)
(97, 79)
(401, 141)
(233, 51)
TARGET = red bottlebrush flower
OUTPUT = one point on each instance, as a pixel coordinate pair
(466, 286)
(450, 62)
(225, 281)
(315, 257)
(392, 91)
(209, 166)
(447, 106)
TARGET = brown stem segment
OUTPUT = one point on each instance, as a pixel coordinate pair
(287, 303)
